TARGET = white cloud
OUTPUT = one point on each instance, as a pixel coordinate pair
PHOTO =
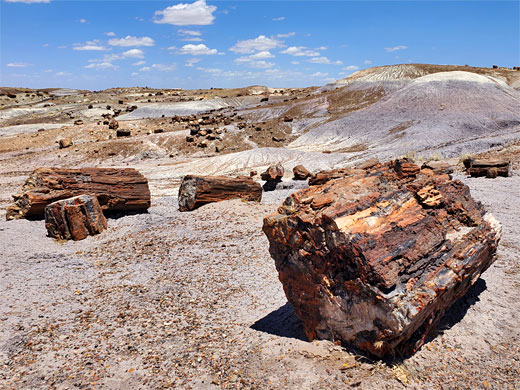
(133, 53)
(131, 41)
(395, 48)
(190, 32)
(110, 34)
(94, 45)
(295, 62)
(351, 68)
(279, 19)
(261, 55)
(320, 74)
(45, 45)
(197, 13)
(300, 51)
(249, 61)
(209, 70)
(83, 20)
(197, 50)
(192, 39)
(139, 63)
(324, 60)
(28, 1)
(367, 62)
(191, 62)
(63, 74)
(160, 67)
(260, 43)
(288, 35)
(17, 65)
(322, 48)
(102, 65)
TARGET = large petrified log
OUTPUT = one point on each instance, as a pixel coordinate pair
(75, 218)
(117, 190)
(488, 168)
(375, 259)
(196, 191)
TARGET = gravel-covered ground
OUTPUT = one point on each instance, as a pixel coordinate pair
(192, 300)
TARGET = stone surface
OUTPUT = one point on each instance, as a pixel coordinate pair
(65, 143)
(117, 189)
(301, 173)
(74, 218)
(196, 191)
(323, 177)
(376, 258)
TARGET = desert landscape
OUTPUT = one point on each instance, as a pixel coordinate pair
(164, 298)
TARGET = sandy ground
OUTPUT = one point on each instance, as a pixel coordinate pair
(192, 300)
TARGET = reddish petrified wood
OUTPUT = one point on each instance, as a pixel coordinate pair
(272, 176)
(75, 218)
(323, 177)
(117, 190)
(301, 173)
(196, 191)
(488, 168)
(375, 259)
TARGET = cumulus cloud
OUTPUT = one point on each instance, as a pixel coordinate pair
(28, 1)
(197, 13)
(324, 60)
(351, 68)
(395, 48)
(367, 62)
(17, 65)
(102, 65)
(253, 62)
(260, 43)
(190, 32)
(131, 41)
(197, 50)
(261, 55)
(110, 34)
(300, 51)
(279, 19)
(133, 53)
(139, 63)
(94, 45)
(191, 35)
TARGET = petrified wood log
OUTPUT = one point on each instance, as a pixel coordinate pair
(375, 259)
(301, 173)
(117, 190)
(196, 191)
(75, 218)
(323, 177)
(489, 168)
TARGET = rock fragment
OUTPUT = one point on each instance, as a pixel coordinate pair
(272, 176)
(301, 173)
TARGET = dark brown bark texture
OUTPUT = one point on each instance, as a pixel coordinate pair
(376, 258)
(117, 189)
(196, 191)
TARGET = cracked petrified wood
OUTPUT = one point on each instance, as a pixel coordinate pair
(490, 168)
(376, 258)
(196, 191)
(301, 173)
(117, 189)
(75, 218)
(272, 176)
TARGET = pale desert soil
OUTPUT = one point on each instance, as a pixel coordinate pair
(192, 300)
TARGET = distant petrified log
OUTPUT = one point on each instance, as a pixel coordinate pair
(488, 168)
(113, 124)
(75, 218)
(123, 133)
(196, 191)
(272, 176)
(438, 166)
(117, 190)
(301, 173)
(375, 259)
(370, 163)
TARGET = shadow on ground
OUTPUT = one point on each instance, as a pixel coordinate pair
(282, 322)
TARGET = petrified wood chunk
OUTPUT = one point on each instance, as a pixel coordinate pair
(488, 168)
(75, 218)
(375, 259)
(301, 173)
(272, 176)
(117, 190)
(196, 191)
(324, 176)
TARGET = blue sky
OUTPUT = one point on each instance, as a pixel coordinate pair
(201, 44)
